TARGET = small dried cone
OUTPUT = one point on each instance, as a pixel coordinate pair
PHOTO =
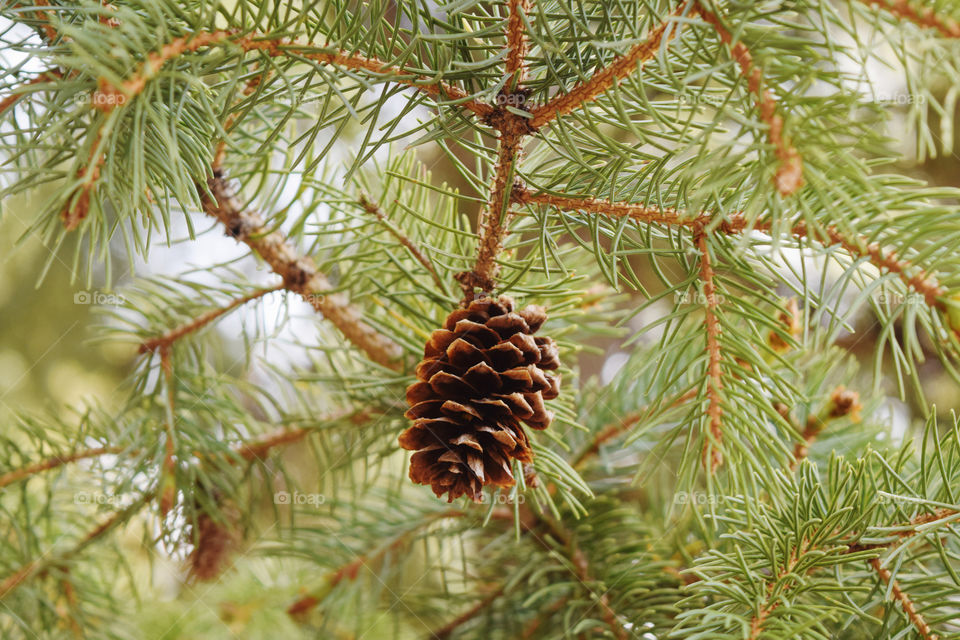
(216, 540)
(481, 375)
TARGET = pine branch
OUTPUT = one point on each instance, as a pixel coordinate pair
(37, 566)
(842, 403)
(517, 42)
(21, 91)
(925, 17)
(354, 62)
(350, 570)
(444, 632)
(512, 128)
(906, 603)
(712, 457)
(168, 482)
(624, 425)
(54, 462)
(602, 80)
(759, 619)
(299, 273)
(167, 339)
(789, 176)
(373, 208)
(736, 223)
(49, 32)
(108, 97)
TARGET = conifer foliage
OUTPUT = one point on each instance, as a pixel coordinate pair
(503, 192)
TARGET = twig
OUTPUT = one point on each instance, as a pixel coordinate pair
(789, 176)
(108, 96)
(512, 127)
(299, 273)
(602, 80)
(925, 17)
(54, 462)
(906, 603)
(20, 91)
(442, 633)
(350, 570)
(534, 624)
(623, 425)
(737, 223)
(165, 340)
(168, 492)
(32, 568)
(763, 613)
(712, 456)
(517, 42)
(842, 403)
(373, 208)
(434, 88)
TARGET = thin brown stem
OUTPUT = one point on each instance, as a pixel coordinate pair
(736, 223)
(925, 17)
(299, 273)
(444, 632)
(21, 90)
(512, 127)
(906, 603)
(54, 462)
(712, 456)
(789, 176)
(167, 339)
(168, 492)
(373, 208)
(350, 570)
(518, 44)
(36, 566)
(623, 425)
(602, 80)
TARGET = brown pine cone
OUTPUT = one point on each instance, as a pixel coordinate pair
(481, 375)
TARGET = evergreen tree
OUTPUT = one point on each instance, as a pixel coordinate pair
(474, 200)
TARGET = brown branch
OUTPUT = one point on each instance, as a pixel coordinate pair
(623, 425)
(168, 493)
(925, 17)
(108, 96)
(433, 88)
(712, 456)
(34, 567)
(905, 602)
(736, 223)
(54, 462)
(442, 633)
(512, 128)
(518, 44)
(763, 613)
(373, 208)
(20, 91)
(48, 31)
(299, 273)
(602, 80)
(350, 570)
(789, 176)
(843, 402)
(538, 620)
(167, 339)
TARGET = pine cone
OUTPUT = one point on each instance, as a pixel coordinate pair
(481, 375)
